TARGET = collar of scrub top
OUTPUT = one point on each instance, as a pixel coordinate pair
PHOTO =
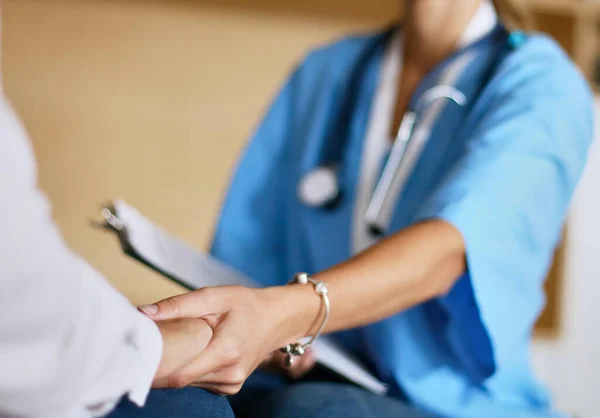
(376, 204)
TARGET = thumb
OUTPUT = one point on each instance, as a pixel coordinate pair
(188, 305)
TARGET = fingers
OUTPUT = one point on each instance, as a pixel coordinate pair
(219, 364)
(196, 304)
(182, 339)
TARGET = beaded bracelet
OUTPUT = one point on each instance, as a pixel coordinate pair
(298, 349)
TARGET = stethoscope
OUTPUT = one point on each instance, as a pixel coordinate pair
(320, 188)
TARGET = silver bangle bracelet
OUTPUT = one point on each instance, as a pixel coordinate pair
(298, 349)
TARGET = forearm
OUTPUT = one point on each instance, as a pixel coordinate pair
(403, 270)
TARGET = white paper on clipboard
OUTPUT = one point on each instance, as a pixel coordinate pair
(196, 269)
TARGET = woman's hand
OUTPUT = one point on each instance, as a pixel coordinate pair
(248, 325)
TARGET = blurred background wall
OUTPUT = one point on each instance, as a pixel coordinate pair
(152, 101)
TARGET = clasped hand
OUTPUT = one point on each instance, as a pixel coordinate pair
(214, 338)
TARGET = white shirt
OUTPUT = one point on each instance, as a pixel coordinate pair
(70, 345)
(377, 140)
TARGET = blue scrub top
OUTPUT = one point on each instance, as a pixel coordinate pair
(502, 172)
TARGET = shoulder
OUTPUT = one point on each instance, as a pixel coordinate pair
(540, 70)
(539, 80)
(539, 100)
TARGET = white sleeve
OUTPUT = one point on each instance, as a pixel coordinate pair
(70, 345)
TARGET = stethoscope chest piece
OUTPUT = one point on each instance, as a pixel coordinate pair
(319, 188)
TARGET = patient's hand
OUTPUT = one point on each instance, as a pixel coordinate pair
(183, 340)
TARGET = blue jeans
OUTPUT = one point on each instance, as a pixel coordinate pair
(262, 398)
(176, 403)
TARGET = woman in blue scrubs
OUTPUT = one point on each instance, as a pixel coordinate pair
(441, 297)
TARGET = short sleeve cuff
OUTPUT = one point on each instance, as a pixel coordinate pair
(466, 330)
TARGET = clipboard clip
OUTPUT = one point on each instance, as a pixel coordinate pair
(109, 220)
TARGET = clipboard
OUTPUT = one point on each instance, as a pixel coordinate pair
(112, 222)
(168, 255)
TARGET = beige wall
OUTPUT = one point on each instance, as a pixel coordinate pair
(152, 101)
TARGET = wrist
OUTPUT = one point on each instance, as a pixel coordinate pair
(298, 309)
